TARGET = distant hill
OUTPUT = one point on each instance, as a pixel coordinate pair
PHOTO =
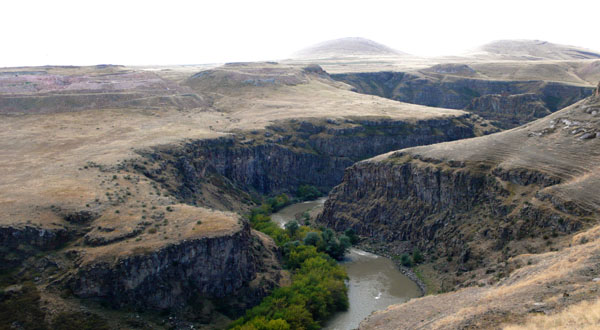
(532, 50)
(346, 47)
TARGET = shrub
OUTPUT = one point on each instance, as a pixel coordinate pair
(307, 192)
(278, 202)
(22, 308)
(417, 257)
(292, 228)
(405, 260)
(312, 238)
(316, 292)
(351, 234)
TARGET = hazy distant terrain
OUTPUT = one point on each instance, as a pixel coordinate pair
(532, 50)
(346, 47)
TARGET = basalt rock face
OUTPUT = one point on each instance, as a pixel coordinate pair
(395, 203)
(444, 208)
(17, 243)
(509, 110)
(171, 276)
(291, 154)
(480, 199)
(459, 93)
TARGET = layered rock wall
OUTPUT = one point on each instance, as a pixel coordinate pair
(169, 277)
(314, 153)
(442, 207)
(459, 93)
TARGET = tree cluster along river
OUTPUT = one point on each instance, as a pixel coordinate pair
(374, 281)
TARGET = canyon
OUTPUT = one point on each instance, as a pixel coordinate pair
(129, 206)
(125, 190)
(481, 209)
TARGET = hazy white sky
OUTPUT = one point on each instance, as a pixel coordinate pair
(190, 32)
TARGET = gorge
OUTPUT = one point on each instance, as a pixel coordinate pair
(127, 193)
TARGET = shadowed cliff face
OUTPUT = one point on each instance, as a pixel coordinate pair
(174, 275)
(510, 110)
(287, 155)
(471, 94)
(453, 209)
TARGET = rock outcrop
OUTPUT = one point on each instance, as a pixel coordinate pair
(509, 110)
(439, 207)
(473, 199)
(508, 222)
(432, 88)
(173, 275)
(290, 154)
(20, 242)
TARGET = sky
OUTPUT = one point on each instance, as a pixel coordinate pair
(129, 32)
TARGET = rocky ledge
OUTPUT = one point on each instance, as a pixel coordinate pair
(169, 277)
(220, 173)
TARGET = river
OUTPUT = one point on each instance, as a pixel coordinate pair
(374, 281)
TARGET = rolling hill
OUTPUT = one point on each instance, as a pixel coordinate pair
(345, 47)
(532, 50)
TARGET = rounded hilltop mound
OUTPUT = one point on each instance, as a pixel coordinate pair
(352, 46)
(259, 74)
(533, 50)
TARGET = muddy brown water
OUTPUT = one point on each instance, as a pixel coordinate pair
(374, 281)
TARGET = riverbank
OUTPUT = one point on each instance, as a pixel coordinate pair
(406, 271)
(374, 281)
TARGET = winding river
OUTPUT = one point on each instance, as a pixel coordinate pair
(374, 281)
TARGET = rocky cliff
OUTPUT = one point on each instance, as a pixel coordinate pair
(289, 154)
(18, 243)
(476, 200)
(173, 275)
(435, 88)
(510, 110)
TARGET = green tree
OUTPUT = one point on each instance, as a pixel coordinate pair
(307, 192)
(328, 235)
(417, 256)
(292, 228)
(312, 238)
(405, 260)
(351, 233)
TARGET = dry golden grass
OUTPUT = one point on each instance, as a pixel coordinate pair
(538, 285)
(45, 159)
(582, 316)
(41, 155)
(181, 222)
